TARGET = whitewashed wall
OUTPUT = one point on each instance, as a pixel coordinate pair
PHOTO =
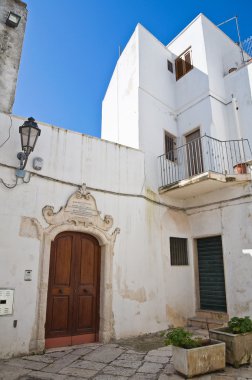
(233, 221)
(120, 105)
(143, 288)
(143, 100)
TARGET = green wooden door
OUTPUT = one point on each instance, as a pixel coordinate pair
(211, 274)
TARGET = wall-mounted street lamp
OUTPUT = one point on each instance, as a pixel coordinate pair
(13, 20)
(29, 133)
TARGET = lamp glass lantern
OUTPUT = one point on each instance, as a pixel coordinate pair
(29, 133)
(13, 19)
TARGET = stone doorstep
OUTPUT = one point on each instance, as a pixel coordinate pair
(204, 323)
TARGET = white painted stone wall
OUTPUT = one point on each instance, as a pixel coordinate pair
(120, 105)
(233, 221)
(207, 98)
(143, 288)
(11, 41)
(143, 100)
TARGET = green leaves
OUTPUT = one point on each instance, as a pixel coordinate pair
(240, 325)
(179, 337)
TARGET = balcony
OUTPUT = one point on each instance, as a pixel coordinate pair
(206, 162)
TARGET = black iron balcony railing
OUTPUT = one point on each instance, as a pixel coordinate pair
(202, 155)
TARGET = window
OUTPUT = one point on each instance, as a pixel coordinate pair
(170, 66)
(170, 144)
(183, 63)
(178, 250)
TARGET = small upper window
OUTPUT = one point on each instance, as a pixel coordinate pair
(170, 66)
(170, 145)
(183, 63)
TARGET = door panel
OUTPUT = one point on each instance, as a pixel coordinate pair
(194, 153)
(63, 261)
(85, 312)
(73, 289)
(211, 274)
(87, 293)
(59, 313)
(59, 303)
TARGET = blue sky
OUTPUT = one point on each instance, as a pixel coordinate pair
(71, 48)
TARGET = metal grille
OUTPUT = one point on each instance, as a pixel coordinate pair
(247, 46)
(202, 155)
(178, 250)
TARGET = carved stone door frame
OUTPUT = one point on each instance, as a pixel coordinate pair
(72, 218)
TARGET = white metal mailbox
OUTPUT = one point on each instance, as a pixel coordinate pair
(6, 301)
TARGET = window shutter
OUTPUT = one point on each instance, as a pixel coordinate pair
(179, 68)
(183, 63)
(188, 62)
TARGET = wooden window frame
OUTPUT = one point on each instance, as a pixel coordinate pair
(179, 251)
(182, 64)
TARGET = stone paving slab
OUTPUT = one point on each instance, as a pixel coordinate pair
(105, 362)
(163, 351)
(144, 376)
(126, 363)
(81, 372)
(42, 376)
(149, 367)
(119, 371)
(61, 363)
(28, 364)
(39, 358)
(157, 359)
(105, 354)
(110, 377)
(87, 364)
(132, 356)
(84, 350)
(11, 372)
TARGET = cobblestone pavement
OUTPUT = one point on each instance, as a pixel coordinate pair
(104, 362)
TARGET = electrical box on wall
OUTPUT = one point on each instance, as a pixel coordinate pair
(6, 301)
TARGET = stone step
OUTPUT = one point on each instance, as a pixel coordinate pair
(218, 316)
(204, 323)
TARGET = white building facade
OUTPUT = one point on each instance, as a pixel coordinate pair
(147, 242)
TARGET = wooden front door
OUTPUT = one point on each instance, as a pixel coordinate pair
(73, 290)
(194, 153)
(211, 274)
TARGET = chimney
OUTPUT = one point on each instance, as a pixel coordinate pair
(13, 15)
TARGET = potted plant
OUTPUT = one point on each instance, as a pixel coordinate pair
(238, 339)
(194, 356)
(240, 168)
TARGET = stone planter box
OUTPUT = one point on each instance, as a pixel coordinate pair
(238, 346)
(196, 361)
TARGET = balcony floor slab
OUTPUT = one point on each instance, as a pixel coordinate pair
(202, 183)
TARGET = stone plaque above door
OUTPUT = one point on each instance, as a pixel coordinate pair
(80, 209)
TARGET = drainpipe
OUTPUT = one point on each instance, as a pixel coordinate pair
(238, 124)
